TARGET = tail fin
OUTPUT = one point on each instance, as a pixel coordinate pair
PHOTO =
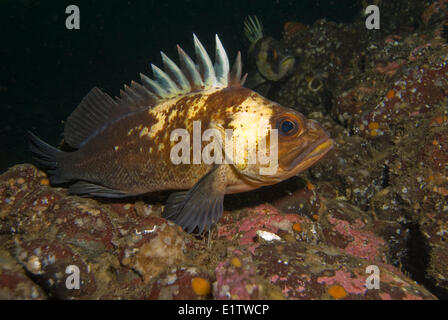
(253, 29)
(46, 157)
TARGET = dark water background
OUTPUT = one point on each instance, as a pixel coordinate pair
(45, 69)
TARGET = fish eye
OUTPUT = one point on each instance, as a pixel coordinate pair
(287, 126)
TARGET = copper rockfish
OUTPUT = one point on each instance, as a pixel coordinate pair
(123, 145)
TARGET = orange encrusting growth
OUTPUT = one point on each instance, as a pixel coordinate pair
(337, 291)
(297, 227)
(373, 126)
(438, 120)
(441, 190)
(236, 262)
(309, 185)
(390, 94)
(44, 182)
(200, 286)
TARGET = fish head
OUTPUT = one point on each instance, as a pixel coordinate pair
(282, 141)
(301, 142)
(273, 60)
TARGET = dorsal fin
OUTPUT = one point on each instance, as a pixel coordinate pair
(189, 76)
(97, 109)
(222, 67)
(253, 28)
(235, 74)
(205, 64)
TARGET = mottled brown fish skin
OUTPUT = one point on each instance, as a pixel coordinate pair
(133, 154)
(126, 157)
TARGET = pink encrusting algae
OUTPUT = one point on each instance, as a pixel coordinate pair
(353, 284)
(263, 217)
(363, 244)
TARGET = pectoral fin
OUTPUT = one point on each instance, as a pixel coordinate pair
(202, 205)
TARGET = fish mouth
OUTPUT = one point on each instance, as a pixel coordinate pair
(313, 153)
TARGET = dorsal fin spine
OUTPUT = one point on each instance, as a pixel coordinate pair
(126, 97)
(164, 80)
(176, 73)
(221, 63)
(153, 86)
(189, 69)
(97, 109)
(134, 95)
(235, 74)
(145, 93)
(204, 63)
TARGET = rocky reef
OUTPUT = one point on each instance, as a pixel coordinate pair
(378, 201)
(127, 251)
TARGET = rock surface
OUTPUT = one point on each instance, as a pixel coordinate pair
(127, 251)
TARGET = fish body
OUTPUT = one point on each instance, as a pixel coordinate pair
(124, 146)
(267, 56)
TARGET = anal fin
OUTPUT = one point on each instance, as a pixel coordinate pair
(202, 205)
(87, 188)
